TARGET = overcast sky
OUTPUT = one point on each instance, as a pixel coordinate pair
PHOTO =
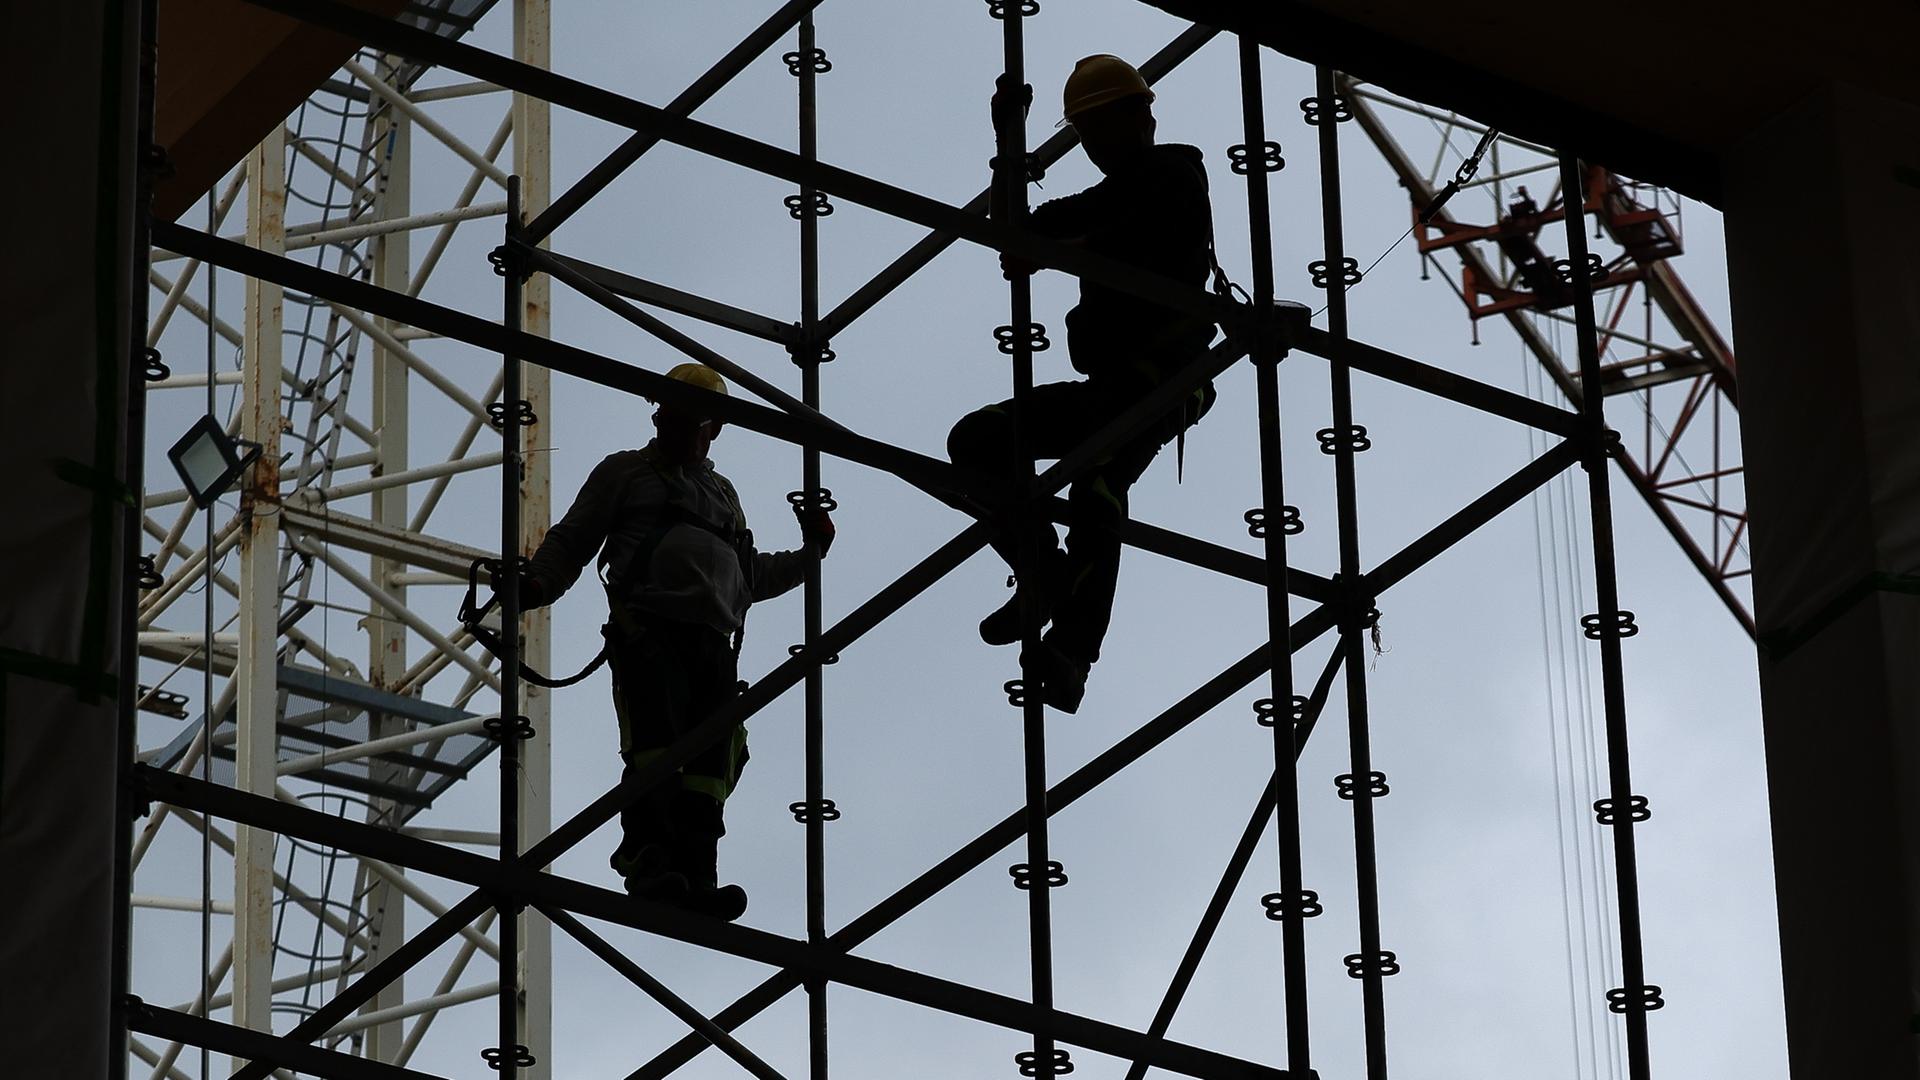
(1471, 698)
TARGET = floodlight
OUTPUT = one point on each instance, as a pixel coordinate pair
(209, 460)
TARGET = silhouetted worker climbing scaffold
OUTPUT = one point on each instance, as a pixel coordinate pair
(1150, 210)
(680, 570)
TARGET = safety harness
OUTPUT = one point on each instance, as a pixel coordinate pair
(635, 568)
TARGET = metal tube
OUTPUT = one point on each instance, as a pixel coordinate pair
(399, 610)
(170, 538)
(184, 638)
(362, 989)
(380, 746)
(161, 1065)
(314, 236)
(285, 982)
(182, 579)
(630, 151)
(454, 970)
(507, 586)
(808, 354)
(658, 991)
(1010, 177)
(1354, 620)
(181, 903)
(915, 258)
(457, 90)
(309, 904)
(415, 1008)
(424, 669)
(327, 165)
(1209, 922)
(460, 447)
(425, 899)
(752, 154)
(176, 291)
(409, 476)
(919, 469)
(427, 123)
(467, 193)
(685, 344)
(257, 705)
(1268, 352)
(1598, 445)
(180, 382)
(407, 356)
(451, 836)
(760, 946)
(424, 577)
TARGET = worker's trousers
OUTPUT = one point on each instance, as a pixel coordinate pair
(1060, 416)
(668, 678)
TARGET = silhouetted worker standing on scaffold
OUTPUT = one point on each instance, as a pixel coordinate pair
(680, 570)
(1151, 211)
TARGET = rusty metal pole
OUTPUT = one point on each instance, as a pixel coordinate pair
(257, 704)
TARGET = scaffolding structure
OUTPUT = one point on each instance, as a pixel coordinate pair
(405, 746)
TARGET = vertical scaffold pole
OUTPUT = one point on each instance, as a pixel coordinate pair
(1621, 809)
(809, 355)
(1038, 874)
(508, 1054)
(1296, 903)
(133, 468)
(1370, 965)
(532, 163)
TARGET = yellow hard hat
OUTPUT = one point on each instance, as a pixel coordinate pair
(1099, 79)
(699, 375)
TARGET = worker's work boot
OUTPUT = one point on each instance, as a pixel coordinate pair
(698, 858)
(1002, 627)
(649, 873)
(724, 902)
(1063, 679)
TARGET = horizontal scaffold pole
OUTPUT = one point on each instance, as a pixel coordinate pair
(965, 490)
(565, 894)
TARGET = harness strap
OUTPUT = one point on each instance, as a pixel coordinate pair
(672, 512)
(471, 614)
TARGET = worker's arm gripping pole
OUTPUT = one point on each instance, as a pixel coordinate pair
(508, 1055)
(809, 354)
(1370, 965)
(1010, 178)
(1296, 903)
(1621, 809)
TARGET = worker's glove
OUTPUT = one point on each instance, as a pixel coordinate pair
(532, 594)
(816, 527)
(1010, 102)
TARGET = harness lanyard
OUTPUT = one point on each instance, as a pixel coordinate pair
(472, 614)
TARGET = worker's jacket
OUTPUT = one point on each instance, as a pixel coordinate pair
(644, 517)
(1153, 213)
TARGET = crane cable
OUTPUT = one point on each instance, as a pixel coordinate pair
(1583, 872)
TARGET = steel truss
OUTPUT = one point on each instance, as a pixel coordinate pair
(1670, 360)
(508, 889)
